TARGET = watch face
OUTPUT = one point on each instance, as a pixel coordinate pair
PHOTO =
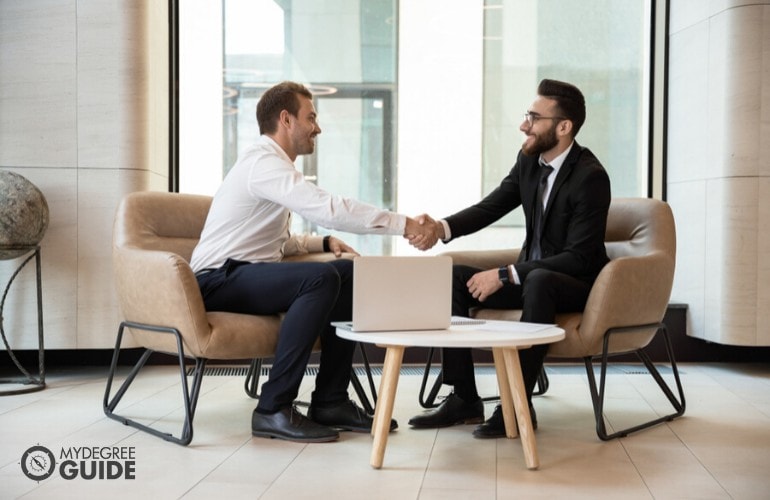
(38, 463)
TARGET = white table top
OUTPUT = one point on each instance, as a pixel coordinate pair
(490, 334)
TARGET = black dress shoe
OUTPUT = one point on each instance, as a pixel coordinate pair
(494, 427)
(345, 416)
(291, 425)
(452, 411)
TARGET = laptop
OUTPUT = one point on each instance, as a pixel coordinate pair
(401, 293)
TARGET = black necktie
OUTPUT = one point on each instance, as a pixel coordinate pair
(537, 220)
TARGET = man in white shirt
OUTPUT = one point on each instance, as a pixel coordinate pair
(239, 269)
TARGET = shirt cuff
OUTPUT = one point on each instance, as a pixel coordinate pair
(515, 275)
(315, 244)
(447, 231)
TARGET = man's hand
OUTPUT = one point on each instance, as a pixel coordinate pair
(338, 247)
(423, 232)
(483, 284)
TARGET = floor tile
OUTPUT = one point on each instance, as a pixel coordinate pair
(719, 449)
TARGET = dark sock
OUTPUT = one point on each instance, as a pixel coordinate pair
(262, 411)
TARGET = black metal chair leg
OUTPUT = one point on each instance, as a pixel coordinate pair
(368, 369)
(542, 383)
(195, 389)
(251, 383)
(597, 393)
(190, 393)
(359, 388)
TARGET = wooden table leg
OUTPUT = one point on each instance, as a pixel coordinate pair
(506, 401)
(513, 367)
(383, 410)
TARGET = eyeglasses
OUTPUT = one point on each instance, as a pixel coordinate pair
(533, 117)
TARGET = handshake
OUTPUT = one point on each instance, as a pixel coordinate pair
(423, 231)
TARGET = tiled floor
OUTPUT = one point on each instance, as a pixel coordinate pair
(719, 449)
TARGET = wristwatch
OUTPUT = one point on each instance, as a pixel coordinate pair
(502, 273)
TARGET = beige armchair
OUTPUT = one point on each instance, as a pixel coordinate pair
(154, 236)
(626, 305)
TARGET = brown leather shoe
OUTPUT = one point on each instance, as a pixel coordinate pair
(494, 427)
(452, 411)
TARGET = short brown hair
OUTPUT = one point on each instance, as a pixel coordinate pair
(569, 100)
(276, 99)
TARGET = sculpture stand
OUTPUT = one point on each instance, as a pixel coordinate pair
(33, 383)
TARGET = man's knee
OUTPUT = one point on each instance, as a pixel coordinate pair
(539, 282)
(344, 268)
(461, 274)
(324, 277)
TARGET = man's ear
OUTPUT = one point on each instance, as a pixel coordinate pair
(564, 127)
(284, 119)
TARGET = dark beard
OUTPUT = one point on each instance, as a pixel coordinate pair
(542, 144)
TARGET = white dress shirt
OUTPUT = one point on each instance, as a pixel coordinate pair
(250, 216)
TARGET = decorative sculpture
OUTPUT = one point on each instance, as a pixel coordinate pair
(23, 215)
(23, 223)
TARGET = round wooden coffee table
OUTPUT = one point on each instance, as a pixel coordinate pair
(505, 338)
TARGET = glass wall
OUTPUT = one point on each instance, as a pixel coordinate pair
(419, 101)
(602, 46)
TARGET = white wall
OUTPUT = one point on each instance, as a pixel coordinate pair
(79, 118)
(719, 166)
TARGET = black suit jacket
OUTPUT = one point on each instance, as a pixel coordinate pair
(575, 219)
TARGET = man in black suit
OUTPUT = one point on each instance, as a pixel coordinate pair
(565, 194)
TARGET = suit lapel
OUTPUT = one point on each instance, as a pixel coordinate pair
(564, 172)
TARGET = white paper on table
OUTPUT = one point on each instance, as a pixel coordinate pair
(500, 325)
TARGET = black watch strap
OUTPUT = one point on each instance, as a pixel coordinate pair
(502, 273)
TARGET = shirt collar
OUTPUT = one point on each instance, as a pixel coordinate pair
(277, 147)
(557, 162)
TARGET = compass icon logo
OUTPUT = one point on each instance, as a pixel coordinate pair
(38, 463)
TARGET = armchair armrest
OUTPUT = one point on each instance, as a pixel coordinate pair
(628, 291)
(317, 257)
(484, 259)
(155, 284)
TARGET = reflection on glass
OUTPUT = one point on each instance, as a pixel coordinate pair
(599, 45)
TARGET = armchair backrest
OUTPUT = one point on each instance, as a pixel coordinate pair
(635, 286)
(153, 220)
(639, 226)
(153, 238)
